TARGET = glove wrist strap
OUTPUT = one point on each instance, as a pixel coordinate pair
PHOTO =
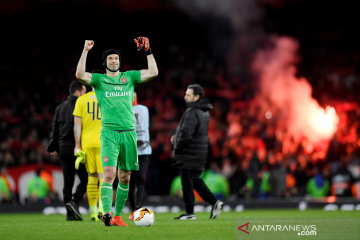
(148, 52)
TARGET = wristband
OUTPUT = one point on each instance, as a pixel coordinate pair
(148, 52)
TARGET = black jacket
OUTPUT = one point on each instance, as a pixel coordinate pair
(191, 138)
(63, 125)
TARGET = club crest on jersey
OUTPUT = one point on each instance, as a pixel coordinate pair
(106, 159)
(123, 80)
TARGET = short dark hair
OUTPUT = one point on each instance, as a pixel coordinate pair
(198, 90)
(75, 86)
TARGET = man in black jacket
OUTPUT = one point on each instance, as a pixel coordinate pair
(190, 151)
(62, 143)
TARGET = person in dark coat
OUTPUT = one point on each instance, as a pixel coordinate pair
(190, 151)
(62, 143)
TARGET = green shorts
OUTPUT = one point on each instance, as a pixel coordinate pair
(119, 149)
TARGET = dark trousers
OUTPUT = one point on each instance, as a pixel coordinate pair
(67, 159)
(190, 180)
(137, 183)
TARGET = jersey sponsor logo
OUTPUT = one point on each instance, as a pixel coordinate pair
(105, 196)
(106, 159)
(123, 80)
(118, 94)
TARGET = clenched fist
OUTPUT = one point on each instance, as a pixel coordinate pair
(142, 43)
(88, 45)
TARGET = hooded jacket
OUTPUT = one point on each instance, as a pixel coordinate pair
(63, 125)
(191, 137)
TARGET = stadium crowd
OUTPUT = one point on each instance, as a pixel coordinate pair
(258, 156)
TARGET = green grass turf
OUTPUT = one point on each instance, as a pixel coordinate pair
(41, 227)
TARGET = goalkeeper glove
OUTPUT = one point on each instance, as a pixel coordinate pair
(142, 43)
(80, 154)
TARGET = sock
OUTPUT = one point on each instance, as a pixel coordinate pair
(92, 192)
(121, 197)
(93, 209)
(100, 202)
(101, 206)
(106, 196)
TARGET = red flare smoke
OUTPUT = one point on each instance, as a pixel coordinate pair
(281, 91)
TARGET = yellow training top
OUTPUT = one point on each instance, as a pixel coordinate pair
(88, 109)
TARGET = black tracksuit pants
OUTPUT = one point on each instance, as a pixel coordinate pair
(137, 183)
(190, 180)
(67, 159)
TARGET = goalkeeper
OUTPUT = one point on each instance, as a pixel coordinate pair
(87, 127)
(114, 92)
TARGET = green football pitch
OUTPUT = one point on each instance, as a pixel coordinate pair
(41, 227)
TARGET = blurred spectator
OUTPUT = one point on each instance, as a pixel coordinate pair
(48, 178)
(356, 190)
(277, 178)
(217, 184)
(38, 188)
(4, 191)
(290, 190)
(318, 186)
(265, 186)
(176, 190)
(342, 181)
(176, 187)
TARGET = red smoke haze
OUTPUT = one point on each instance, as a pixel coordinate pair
(288, 97)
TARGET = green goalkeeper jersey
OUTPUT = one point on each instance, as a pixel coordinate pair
(115, 98)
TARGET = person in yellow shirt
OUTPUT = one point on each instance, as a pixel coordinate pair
(87, 127)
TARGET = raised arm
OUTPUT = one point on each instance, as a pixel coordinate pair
(152, 71)
(77, 133)
(81, 74)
